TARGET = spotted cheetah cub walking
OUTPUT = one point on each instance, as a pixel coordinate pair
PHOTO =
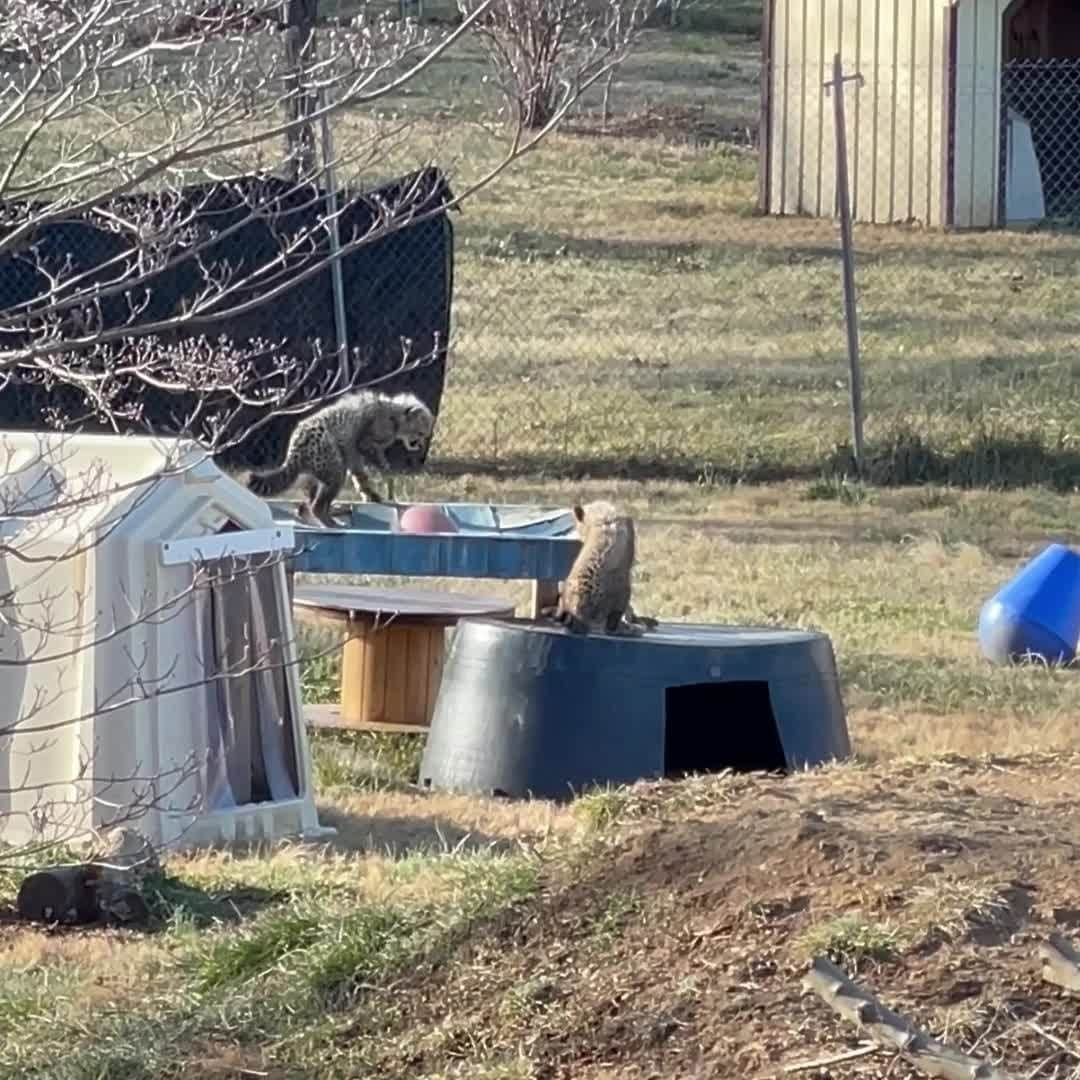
(345, 437)
(596, 595)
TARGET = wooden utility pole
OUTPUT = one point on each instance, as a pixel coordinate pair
(843, 199)
(300, 16)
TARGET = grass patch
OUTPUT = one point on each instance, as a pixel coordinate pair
(279, 977)
(365, 760)
(951, 910)
(257, 950)
(839, 487)
(618, 910)
(526, 998)
(320, 676)
(602, 808)
(851, 942)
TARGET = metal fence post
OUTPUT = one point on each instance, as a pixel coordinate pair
(300, 16)
(843, 198)
(336, 273)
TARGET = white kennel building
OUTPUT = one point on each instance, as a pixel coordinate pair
(930, 137)
(147, 655)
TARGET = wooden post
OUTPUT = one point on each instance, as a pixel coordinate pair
(390, 674)
(851, 314)
(300, 16)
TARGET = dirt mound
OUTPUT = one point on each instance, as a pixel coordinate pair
(677, 947)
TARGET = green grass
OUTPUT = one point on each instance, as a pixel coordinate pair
(280, 977)
(700, 342)
(603, 807)
(365, 760)
(852, 942)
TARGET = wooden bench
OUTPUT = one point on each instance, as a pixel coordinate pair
(393, 654)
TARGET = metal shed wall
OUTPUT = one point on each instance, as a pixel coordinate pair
(977, 113)
(915, 56)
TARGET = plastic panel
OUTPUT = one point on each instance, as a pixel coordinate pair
(500, 542)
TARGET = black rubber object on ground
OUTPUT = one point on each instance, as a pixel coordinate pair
(526, 708)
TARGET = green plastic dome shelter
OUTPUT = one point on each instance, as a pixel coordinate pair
(528, 709)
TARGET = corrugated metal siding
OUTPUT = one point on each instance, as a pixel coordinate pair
(898, 120)
(978, 111)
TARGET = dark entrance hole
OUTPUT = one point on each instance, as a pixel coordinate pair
(709, 727)
(1042, 30)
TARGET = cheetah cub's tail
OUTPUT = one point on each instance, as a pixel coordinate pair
(275, 481)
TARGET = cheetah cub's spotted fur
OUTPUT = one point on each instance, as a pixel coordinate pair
(345, 438)
(596, 595)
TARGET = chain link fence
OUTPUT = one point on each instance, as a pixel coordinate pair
(397, 289)
(619, 304)
(1045, 94)
(623, 307)
(601, 322)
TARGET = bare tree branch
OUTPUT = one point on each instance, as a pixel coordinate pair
(159, 189)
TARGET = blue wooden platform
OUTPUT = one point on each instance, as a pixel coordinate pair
(500, 542)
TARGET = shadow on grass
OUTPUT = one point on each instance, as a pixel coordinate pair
(606, 467)
(168, 900)
(901, 459)
(1000, 463)
(770, 246)
(400, 835)
(171, 899)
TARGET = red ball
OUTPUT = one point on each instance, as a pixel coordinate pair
(426, 519)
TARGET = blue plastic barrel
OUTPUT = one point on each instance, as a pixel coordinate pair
(1037, 613)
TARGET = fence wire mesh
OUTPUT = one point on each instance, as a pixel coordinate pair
(620, 304)
(1044, 95)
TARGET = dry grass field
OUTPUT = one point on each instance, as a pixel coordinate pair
(660, 930)
(626, 327)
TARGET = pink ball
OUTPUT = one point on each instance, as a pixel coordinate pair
(426, 519)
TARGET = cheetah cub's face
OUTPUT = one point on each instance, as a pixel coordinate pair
(415, 426)
(599, 514)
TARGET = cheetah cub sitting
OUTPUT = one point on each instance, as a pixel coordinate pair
(345, 438)
(596, 595)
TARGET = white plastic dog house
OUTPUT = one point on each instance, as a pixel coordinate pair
(147, 655)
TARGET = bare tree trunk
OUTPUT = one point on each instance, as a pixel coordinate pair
(536, 109)
(300, 16)
(606, 115)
